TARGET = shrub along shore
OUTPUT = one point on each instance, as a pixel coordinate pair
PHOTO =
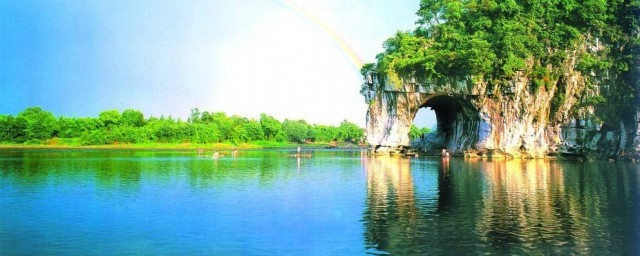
(112, 129)
(52, 144)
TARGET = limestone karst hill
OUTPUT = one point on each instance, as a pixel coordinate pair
(512, 78)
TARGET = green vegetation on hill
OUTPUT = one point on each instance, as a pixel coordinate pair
(35, 126)
(490, 41)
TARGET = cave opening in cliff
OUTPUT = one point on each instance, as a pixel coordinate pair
(425, 119)
(456, 123)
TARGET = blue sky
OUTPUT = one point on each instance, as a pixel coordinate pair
(77, 58)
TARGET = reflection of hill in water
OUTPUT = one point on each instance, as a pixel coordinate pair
(514, 207)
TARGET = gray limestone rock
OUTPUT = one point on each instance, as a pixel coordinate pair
(511, 119)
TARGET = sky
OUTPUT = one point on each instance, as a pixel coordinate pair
(295, 59)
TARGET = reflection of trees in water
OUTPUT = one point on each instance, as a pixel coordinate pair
(606, 195)
(129, 169)
(512, 207)
(524, 204)
(390, 213)
(404, 217)
(262, 167)
(106, 170)
(551, 208)
(122, 174)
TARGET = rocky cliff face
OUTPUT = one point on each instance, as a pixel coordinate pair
(635, 74)
(514, 118)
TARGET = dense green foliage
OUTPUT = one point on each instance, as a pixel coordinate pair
(416, 132)
(490, 41)
(37, 126)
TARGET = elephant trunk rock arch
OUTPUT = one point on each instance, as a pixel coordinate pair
(480, 119)
(391, 112)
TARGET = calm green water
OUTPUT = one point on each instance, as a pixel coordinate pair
(336, 203)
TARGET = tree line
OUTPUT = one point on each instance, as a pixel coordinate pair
(491, 40)
(37, 126)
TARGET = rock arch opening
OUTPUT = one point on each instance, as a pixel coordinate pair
(424, 121)
(458, 123)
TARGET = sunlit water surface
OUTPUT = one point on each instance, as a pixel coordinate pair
(71, 202)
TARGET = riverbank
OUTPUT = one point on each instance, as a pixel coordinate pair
(180, 146)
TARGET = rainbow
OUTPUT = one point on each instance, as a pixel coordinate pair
(335, 37)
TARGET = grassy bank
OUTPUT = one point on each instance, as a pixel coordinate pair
(66, 143)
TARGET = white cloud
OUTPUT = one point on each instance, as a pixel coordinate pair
(289, 69)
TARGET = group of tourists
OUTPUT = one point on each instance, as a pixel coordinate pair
(234, 153)
(445, 153)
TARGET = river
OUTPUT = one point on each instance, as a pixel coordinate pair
(337, 202)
